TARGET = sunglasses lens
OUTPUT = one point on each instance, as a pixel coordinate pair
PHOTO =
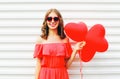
(49, 18)
(56, 18)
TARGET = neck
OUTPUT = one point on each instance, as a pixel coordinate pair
(53, 35)
(53, 32)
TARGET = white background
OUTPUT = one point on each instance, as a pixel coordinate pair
(20, 23)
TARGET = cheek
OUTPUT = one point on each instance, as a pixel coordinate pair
(47, 22)
(58, 23)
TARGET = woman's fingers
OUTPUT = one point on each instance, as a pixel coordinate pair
(82, 43)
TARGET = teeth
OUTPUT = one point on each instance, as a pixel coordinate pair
(52, 24)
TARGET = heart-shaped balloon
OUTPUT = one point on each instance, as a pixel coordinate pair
(76, 31)
(95, 42)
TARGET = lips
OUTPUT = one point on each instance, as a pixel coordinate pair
(52, 24)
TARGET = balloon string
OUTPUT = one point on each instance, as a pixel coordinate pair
(81, 65)
(81, 69)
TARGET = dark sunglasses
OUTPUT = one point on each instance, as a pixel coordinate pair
(54, 18)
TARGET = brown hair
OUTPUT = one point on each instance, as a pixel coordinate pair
(45, 29)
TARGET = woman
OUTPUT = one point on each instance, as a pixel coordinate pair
(52, 50)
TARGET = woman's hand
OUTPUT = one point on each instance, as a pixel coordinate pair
(79, 45)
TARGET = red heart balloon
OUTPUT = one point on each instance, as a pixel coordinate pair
(76, 31)
(97, 35)
(95, 41)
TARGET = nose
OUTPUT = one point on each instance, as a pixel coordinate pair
(52, 20)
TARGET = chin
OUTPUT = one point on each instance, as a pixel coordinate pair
(53, 27)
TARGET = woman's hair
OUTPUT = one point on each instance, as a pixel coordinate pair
(60, 29)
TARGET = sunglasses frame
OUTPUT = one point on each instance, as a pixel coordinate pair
(49, 19)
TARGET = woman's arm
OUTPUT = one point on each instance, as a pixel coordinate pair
(70, 60)
(77, 48)
(38, 60)
(38, 67)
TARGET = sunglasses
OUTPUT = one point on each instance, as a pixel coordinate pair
(54, 18)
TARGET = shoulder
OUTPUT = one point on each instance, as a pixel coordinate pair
(39, 40)
(66, 40)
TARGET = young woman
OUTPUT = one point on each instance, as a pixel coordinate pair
(53, 51)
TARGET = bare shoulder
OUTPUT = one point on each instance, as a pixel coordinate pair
(39, 40)
(66, 40)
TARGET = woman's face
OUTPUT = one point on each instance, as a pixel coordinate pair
(52, 20)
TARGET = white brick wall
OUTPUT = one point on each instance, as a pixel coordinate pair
(20, 22)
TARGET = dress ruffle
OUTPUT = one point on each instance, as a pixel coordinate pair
(38, 51)
(53, 49)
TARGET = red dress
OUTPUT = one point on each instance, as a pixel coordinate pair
(53, 56)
